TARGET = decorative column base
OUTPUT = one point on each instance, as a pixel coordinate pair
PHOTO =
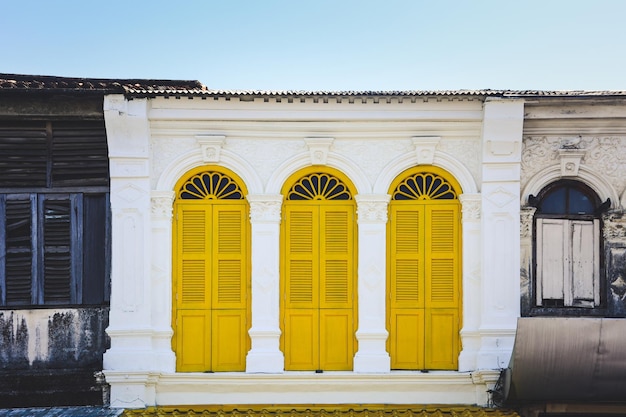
(372, 356)
(265, 355)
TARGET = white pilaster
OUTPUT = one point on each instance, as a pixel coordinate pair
(502, 142)
(130, 321)
(470, 336)
(265, 355)
(372, 355)
(161, 279)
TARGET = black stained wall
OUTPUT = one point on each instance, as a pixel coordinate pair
(52, 357)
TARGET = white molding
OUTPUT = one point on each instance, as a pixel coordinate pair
(192, 159)
(585, 175)
(440, 159)
(303, 160)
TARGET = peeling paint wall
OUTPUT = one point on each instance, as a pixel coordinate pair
(53, 339)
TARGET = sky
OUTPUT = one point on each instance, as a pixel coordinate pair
(323, 45)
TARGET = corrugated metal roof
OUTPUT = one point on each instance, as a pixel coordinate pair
(326, 411)
(61, 412)
(190, 88)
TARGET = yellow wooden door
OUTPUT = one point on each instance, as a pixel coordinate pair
(318, 284)
(211, 306)
(424, 275)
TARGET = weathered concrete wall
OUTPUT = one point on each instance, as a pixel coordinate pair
(52, 356)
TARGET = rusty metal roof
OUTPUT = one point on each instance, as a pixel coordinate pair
(50, 84)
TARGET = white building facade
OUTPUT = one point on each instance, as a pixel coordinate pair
(265, 142)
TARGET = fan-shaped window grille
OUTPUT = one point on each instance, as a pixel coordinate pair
(210, 186)
(424, 186)
(319, 186)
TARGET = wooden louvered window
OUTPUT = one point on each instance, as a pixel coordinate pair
(54, 213)
(211, 282)
(567, 247)
(319, 272)
(424, 271)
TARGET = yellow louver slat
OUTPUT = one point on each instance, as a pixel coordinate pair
(336, 290)
(442, 227)
(442, 280)
(194, 231)
(228, 281)
(406, 229)
(301, 239)
(193, 281)
(407, 282)
(229, 231)
(301, 283)
(336, 232)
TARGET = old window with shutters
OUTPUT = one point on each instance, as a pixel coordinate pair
(567, 246)
(211, 305)
(318, 292)
(424, 285)
(54, 213)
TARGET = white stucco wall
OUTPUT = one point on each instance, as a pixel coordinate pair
(153, 142)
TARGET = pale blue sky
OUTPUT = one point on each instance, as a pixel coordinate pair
(323, 44)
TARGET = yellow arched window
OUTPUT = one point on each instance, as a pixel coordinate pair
(318, 276)
(424, 270)
(211, 303)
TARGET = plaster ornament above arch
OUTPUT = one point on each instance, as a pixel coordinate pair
(195, 158)
(319, 148)
(570, 161)
(211, 146)
(440, 159)
(587, 176)
(425, 147)
(303, 160)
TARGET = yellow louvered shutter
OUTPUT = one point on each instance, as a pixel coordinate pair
(211, 252)
(193, 300)
(301, 313)
(442, 286)
(229, 288)
(336, 291)
(407, 287)
(424, 272)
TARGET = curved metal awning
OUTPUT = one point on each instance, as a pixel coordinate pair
(568, 359)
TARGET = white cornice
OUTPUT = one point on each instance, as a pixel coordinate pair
(298, 129)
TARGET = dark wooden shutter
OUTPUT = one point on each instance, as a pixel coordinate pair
(79, 154)
(57, 253)
(95, 247)
(23, 154)
(19, 252)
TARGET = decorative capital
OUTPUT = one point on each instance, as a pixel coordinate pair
(526, 221)
(211, 146)
(372, 208)
(265, 208)
(470, 207)
(161, 203)
(319, 148)
(425, 147)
